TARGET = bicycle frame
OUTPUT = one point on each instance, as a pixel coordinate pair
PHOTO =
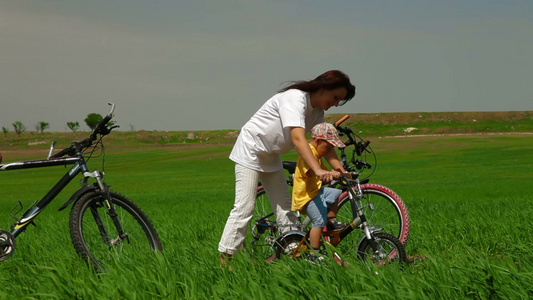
(359, 218)
(79, 166)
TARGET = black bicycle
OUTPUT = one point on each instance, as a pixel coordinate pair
(103, 224)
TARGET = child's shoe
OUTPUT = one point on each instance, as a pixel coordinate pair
(315, 259)
(333, 225)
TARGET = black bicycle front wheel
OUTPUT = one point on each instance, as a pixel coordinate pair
(98, 237)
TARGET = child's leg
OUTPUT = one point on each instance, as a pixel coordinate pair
(332, 210)
(330, 196)
(314, 237)
(316, 210)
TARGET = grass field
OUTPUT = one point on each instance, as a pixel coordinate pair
(468, 198)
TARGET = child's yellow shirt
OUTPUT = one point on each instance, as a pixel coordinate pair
(305, 188)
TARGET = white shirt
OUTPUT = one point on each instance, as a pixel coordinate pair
(267, 134)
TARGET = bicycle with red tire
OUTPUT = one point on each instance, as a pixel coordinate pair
(384, 209)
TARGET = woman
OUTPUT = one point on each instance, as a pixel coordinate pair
(278, 126)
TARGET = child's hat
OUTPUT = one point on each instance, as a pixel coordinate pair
(326, 131)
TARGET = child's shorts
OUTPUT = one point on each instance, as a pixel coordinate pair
(317, 209)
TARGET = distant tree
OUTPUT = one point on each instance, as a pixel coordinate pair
(73, 126)
(19, 127)
(132, 127)
(6, 130)
(93, 119)
(41, 126)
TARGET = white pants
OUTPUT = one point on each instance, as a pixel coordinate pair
(246, 180)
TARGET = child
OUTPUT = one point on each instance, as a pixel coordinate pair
(308, 195)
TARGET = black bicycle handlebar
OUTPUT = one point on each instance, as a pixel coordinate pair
(100, 129)
(360, 146)
(345, 180)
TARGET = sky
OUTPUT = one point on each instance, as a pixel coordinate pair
(210, 64)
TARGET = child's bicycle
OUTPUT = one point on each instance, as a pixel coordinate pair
(103, 224)
(383, 208)
(376, 248)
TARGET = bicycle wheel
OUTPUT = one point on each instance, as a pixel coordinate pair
(393, 251)
(290, 245)
(95, 236)
(262, 204)
(261, 233)
(383, 209)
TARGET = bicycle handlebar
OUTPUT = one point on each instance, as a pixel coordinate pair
(344, 130)
(345, 180)
(359, 146)
(101, 129)
(341, 120)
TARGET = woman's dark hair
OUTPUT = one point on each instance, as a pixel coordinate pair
(329, 80)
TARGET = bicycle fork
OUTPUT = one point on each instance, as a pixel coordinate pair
(98, 176)
(360, 220)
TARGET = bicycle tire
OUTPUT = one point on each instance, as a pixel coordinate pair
(286, 245)
(262, 204)
(261, 246)
(391, 244)
(89, 241)
(390, 214)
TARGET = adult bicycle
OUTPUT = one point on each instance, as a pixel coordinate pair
(103, 224)
(382, 207)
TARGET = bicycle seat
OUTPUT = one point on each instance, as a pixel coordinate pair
(290, 166)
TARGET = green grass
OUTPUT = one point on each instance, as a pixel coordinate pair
(468, 198)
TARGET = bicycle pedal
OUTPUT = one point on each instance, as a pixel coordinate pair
(14, 214)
